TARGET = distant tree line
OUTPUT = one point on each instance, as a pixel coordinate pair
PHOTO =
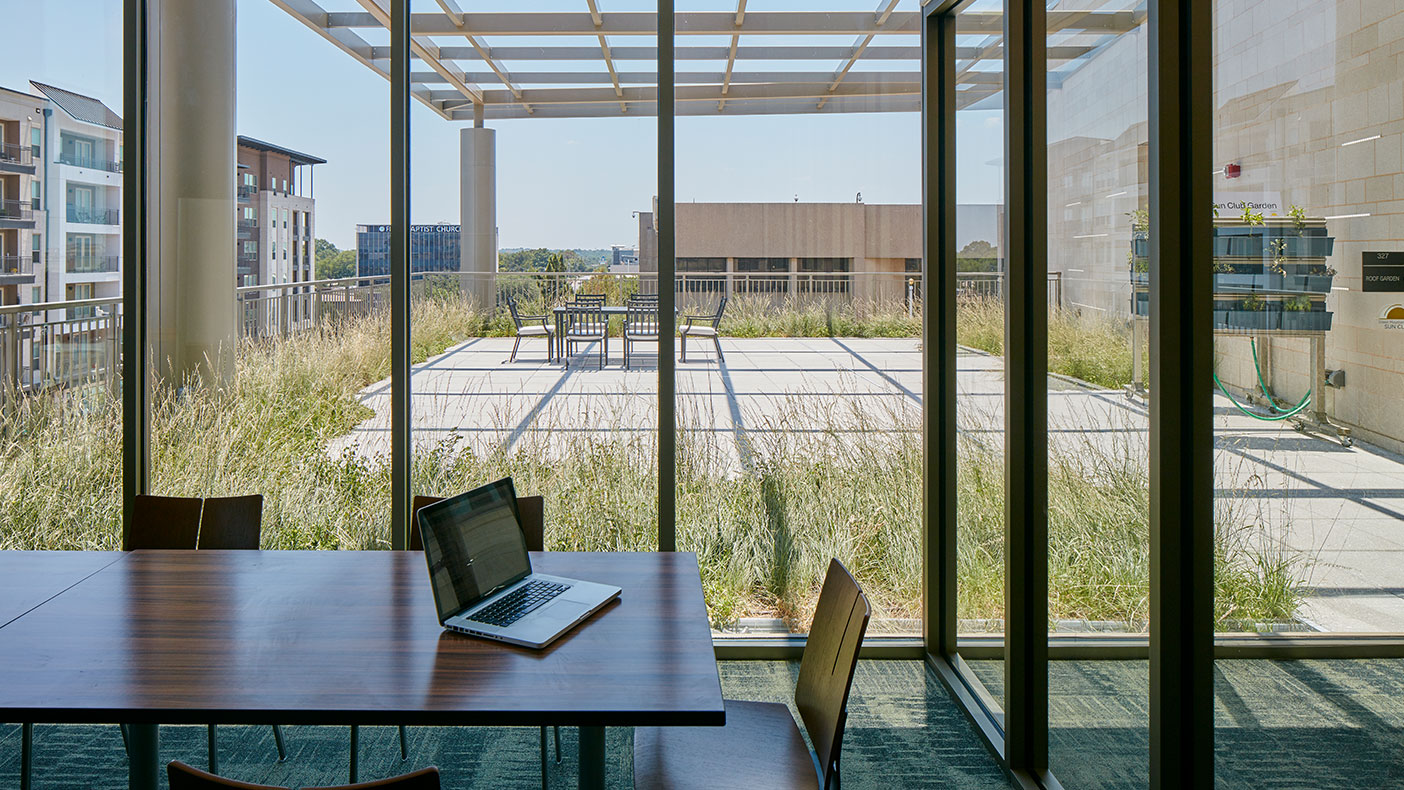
(333, 263)
(977, 256)
(538, 260)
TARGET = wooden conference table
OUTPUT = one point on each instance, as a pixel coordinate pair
(338, 637)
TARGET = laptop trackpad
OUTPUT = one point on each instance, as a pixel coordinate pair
(562, 610)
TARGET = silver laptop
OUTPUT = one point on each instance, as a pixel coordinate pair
(481, 574)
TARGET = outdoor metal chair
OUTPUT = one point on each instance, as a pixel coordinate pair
(703, 326)
(586, 322)
(183, 777)
(527, 327)
(760, 746)
(641, 325)
(531, 510)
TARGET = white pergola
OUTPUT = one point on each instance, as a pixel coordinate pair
(466, 76)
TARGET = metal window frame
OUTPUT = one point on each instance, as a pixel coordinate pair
(1182, 645)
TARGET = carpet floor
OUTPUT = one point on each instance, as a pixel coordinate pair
(903, 732)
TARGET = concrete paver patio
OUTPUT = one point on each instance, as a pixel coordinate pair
(1342, 508)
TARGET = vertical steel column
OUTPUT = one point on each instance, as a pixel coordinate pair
(938, 326)
(667, 249)
(1181, 424)
(399, 275)
(1026, 388)
(135, 465)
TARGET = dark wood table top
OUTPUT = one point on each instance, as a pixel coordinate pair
(29, 578)
(325, 637)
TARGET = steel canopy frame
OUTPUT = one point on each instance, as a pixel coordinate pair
(827, 83)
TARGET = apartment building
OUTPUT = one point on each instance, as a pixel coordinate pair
(274, 214)
(21, 214)
(82, 194)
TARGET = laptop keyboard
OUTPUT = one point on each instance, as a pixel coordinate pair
(517, 604)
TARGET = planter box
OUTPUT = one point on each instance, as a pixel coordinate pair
(1305, 321)
(1307, 283)
(1262, 320)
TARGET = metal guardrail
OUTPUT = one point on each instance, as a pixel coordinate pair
(64, 343)
(93, 264)
(90, 162)
(93, 216)
(16, 154)
(60, 344)
(16, 209)
(16, 264)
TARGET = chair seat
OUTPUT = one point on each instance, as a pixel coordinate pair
(640, 335)
(704, 331)
(760, 746)
(535, 331)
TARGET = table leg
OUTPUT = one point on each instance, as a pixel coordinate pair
(592, 758)
(143, 768)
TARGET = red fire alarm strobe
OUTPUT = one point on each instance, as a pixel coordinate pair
(1232, 170)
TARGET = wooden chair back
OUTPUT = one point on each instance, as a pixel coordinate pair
(530, 509)
(231, 522)
(164, 522)
(184, 777)
(830, 658)
(423, 779)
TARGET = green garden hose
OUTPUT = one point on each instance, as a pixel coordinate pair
(1284, 413)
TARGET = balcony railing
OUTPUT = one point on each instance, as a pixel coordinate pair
(90, 162)
(60, 344)
(92, 216)
(248, 224)
(246, 191)
(16, 209)
(93, 264)
(15, 154)
(16, 264)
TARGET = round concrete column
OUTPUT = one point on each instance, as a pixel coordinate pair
(478, 207)
(191, 271)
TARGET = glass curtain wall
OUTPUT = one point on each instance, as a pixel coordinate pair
(1098, 419)
(61, 313)
(798, 223)
(294, 404)
(540, 206)
(981, 300)
(1309, 386)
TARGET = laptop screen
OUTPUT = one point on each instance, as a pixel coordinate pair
(474, 546)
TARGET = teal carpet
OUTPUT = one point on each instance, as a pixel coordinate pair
(1278, 725)
(903, 732)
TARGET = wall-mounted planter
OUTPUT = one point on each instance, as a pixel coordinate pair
(1262, 320)
(1305, 321)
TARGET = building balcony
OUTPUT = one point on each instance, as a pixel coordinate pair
(245, 223)
(16, 210)
(92, 163)
(16, 158)
(247, 191)
(93, 264)
(92, 216)
(16, 264)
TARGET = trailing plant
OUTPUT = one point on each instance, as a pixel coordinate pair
(1297, 304)
(1255, 303)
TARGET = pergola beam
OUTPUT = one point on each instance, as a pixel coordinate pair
(806, 106)
(522, 78)
(427, 51)
(787, 53)
(731, 52)
(884, 12)
(688, 93)
(712, 23)
(598, 19)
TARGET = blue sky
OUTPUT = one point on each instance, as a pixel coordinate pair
(561, 183)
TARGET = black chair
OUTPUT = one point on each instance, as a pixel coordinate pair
(531, 510)
(760, 746)
(527, 326)
(641, 324)
(703, 326)
(586, 322)
(183, 777)
(173, 522)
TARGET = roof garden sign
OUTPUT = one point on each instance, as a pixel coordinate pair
(1383, 272)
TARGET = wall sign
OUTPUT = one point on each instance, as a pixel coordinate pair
(1383, 271)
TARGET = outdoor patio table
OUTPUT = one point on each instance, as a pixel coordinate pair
(342, 637)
